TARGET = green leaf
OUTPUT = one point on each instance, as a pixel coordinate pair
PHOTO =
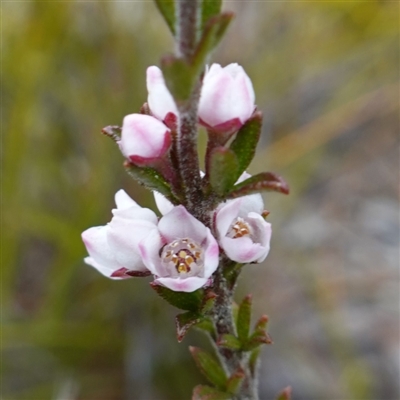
(209, 8)
(261, 324)
(152, 179)
(184, 322)
(179, 76)
(206, 325)
(253, 360)
(245, 143)
(286, 394)
(264, 181)
(244, 319)
(235, 381)
(185, 301)
(208, 301)
(167, 10)
(203, 392)
(222, 170)
(257, 339)
(212, 34)
(113, 132)
(229, 341)
(210, 367)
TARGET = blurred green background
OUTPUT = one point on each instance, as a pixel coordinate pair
(326, 77)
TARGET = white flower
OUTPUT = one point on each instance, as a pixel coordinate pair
(242, 231)
(182, 253)
(144, 139)
(227, 98)
(113, 248)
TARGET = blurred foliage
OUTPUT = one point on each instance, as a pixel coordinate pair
(326, 77)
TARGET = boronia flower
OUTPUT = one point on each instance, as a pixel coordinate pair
(227, 98)
(144, 139)
(242, 231)
(160, 100)
(181, 253)
(113, 248)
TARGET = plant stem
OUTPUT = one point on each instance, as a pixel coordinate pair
(232, 360)
(187, 127)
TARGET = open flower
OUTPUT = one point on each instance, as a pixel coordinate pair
(160, 100)
(113, 248)
(144, 139)
(227, 98)
(242, 231)
(182, 253)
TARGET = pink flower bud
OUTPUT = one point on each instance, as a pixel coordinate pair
(160, 100)
(144, 139)
(227, 98)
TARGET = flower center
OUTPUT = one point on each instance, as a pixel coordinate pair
(239, 228)
(183, 257)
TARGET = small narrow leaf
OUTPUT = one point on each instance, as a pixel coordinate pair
(209, 9)
(203, 392)
(206, 325)
(208, 301)
(113, 132)
(167, 10)
(244, 319)
(229, 341)
(152, 179)
(245, 143)
(185, 301)
(261, 324)
(184, 322)
(179, 77)
(286, 394)
(253, 361)
(235, 381)
(212, 34)
(222, 170)
(265, 181)
(209, 367)
(257, 339)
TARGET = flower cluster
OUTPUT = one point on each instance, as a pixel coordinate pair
(178, 249)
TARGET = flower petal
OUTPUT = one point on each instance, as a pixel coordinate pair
(163, 204)
(159, 99)
(182, 285)
(123, 200)
(95, 240)
(149, 249)
(103, 270)
(178, 224)
(136, 213)
(211, 255)
(226, 215)
(242, 250)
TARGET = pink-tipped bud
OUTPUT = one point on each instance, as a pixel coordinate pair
(227, 98)
(144, 139)
(160, 100)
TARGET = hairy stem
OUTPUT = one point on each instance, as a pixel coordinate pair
(232, 360)
(187, 126)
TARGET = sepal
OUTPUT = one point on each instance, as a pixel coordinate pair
(203, 392)
(189, 301)
(210, 367)
(264, 181)
(245, 143)
(184, 322)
